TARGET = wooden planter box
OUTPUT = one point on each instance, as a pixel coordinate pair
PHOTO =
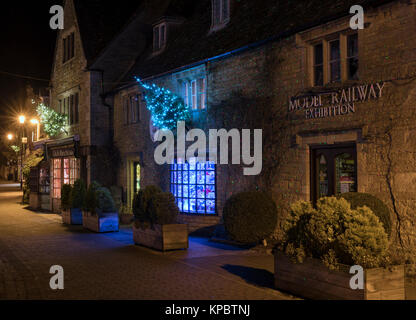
(100, 223)
(163, 238)
(314, 280)
(72, 216)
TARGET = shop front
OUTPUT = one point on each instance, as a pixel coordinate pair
(65, 168)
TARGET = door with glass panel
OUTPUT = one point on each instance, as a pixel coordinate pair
(334, 170)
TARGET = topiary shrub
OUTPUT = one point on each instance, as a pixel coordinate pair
(335, 234)
(152, 206)
(250, 217)
(79, 191)
(105, 202)
(141, 202)
(66, 192)
(163, 209)
(376, 205)
(91, 201)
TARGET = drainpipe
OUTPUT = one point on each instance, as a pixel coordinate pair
(110, 108)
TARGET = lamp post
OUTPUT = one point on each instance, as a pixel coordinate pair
(10, 138)
(22, 120)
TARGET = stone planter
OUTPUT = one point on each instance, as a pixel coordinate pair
(72, 216)
(100, 223)
(163, 238)
(313, 280)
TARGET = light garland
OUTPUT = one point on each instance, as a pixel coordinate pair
(54, 123)
(167, 108)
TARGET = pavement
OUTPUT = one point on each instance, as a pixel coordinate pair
(111, 267)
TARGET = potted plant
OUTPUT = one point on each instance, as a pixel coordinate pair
(99, 213)
(125, 214)
(155, 226)
(66, 191)
(72, 202)
(318, 247)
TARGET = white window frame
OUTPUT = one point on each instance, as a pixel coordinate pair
(194, 95)
(160, 42)
(223, 18)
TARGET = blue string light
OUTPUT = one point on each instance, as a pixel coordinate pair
(167, 108)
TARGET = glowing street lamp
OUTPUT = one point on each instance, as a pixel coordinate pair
(22, 119)
(10, 137)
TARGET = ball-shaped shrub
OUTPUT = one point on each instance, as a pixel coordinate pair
(142, 201)
(376, 205)
(364, 241)
(250, 217)
(163, 209)
(78, 194)
(335, 234)
(91, 201)
(66, 192)
(105, 202)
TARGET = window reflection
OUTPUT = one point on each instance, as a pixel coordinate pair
(345, 173)
(322, 169)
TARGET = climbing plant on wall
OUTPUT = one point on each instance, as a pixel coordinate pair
(53, 122)
(166, 107)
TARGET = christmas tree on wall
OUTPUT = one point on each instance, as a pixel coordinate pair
(53, 122)
(166, 107)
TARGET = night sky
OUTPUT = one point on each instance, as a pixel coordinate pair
(27, 48)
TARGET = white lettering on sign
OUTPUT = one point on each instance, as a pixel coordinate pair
(336, 103)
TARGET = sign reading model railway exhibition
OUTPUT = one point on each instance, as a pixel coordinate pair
(336, 103)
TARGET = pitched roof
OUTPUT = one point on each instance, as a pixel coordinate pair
(100, 21)
(251, 21)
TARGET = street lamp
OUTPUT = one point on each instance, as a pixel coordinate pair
(22, 120)
(10, 137)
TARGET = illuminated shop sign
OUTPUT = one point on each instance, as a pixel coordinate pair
(336, 103)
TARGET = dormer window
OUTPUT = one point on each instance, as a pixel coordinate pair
(159, 37)
(220, 13)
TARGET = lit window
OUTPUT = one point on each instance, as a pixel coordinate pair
(57, 178)
(318, 65)
(335, 60)
(220, 12)
(65, 171)
(194, 186)
(159, 37)
(352, 56)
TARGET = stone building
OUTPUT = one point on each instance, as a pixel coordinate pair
(336, 105)
(91, 54)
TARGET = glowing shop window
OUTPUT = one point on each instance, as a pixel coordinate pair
(194, 187)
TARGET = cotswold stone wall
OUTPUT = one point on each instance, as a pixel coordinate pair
(382, 128)
(70, 77)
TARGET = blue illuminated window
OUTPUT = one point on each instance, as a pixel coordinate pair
(194, 187)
